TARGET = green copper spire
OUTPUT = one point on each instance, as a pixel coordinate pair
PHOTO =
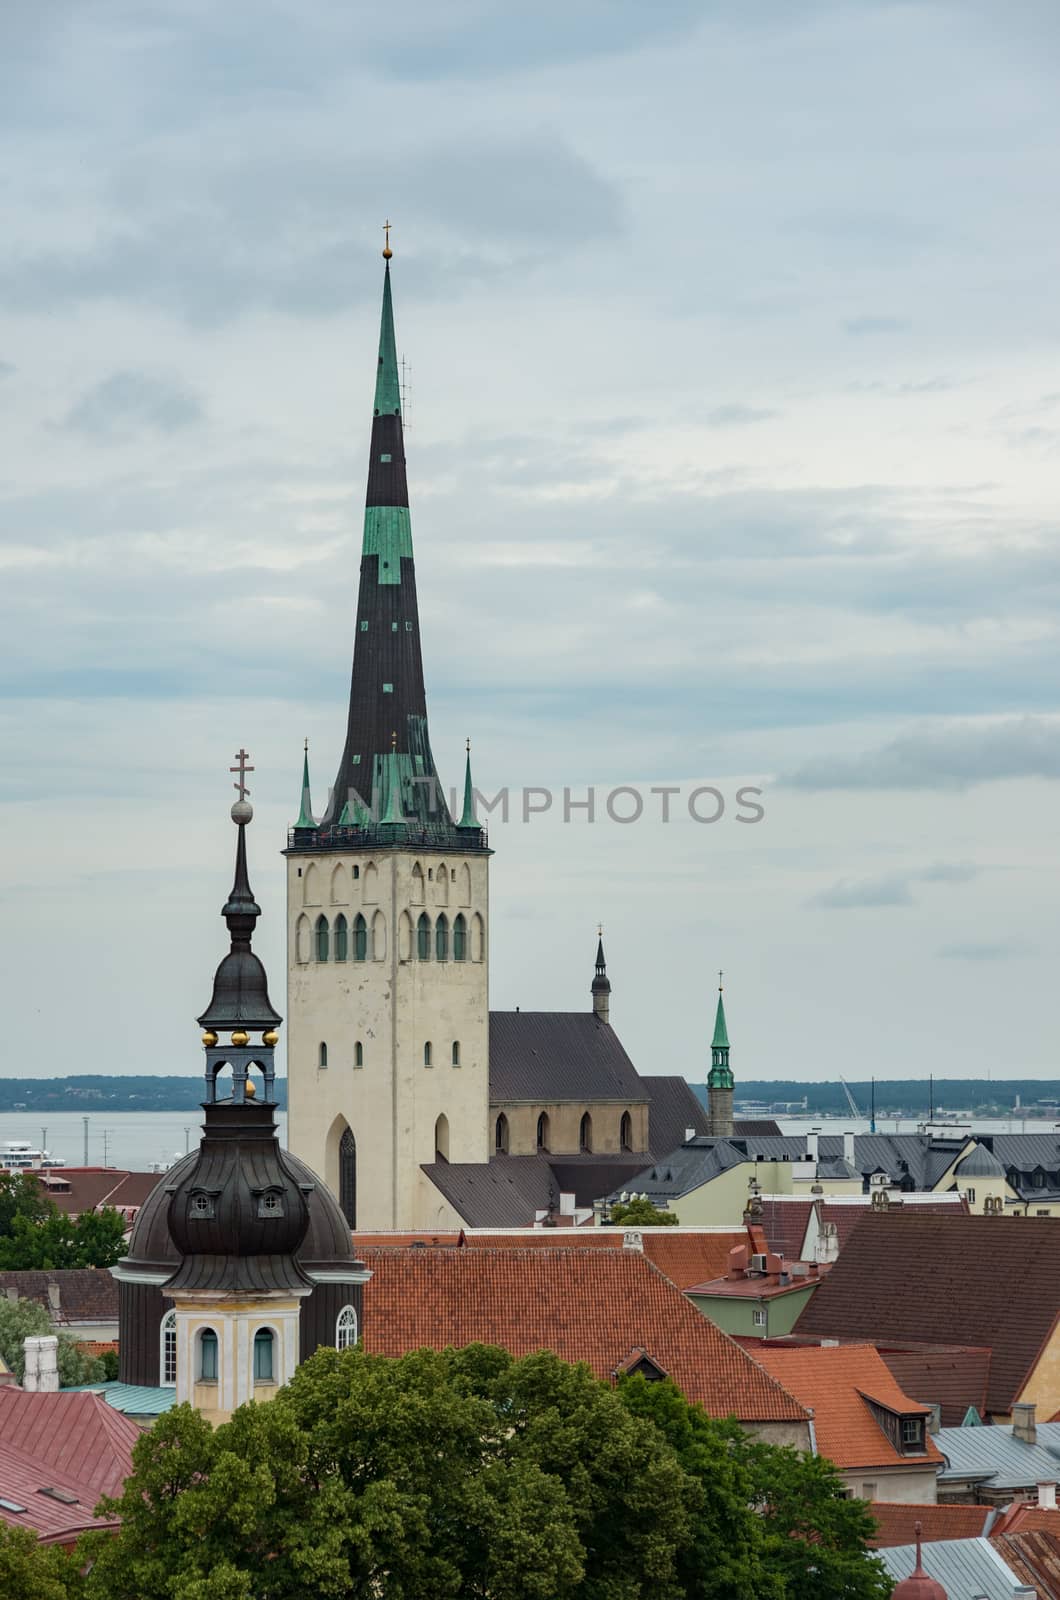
(387, 384)
(720, 1075)
(392, 816)
(305, 815)
(467, 819)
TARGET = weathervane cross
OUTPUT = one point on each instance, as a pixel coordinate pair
(242, 768)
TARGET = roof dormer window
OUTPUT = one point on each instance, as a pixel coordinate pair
(200, 1205)
(270, 1204)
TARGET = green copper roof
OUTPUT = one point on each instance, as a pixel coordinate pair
(305, 815)
(388, 535)
(720, 1040)
(392, 815)
(467, 818)
(387, 385)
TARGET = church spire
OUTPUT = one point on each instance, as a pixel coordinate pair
(720, 1079)
(387, 689)
(601, 984)
(305, 814)
(467, 816)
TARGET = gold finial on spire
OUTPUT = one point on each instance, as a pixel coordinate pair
(305, 746)
(467, 746)
(387, 252)
(599, 930)
(720, 984)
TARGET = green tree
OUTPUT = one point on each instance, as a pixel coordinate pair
(35, 1571)
(36, 1236)
(24, 1319)
(455, 1473)
(640, 1213)
(809, 1541)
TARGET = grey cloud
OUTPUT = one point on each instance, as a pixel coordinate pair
(986, 950)
(848, 895)
(953, 756)
(949, 872)
(6, 369)
(128, 401)
(735, 415)
(867, 325)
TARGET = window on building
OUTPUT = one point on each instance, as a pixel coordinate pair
(264, 1343)
(542, 1131)
(322, 938)
(585, 1135)
(423, 937)
(348, 1177)
(270, 1204)
(201, 1205)
(427, 1062)
(441, 1138)
(358, 1054)
(456, 1052)
(500, 1134)
(167, 1365)
(460, 938)
(441, 939)
(322, 1054)
(341, 938)
(970, 1195)
(625, 1132)
(912, 1433)
(360, 938)
(759, 1317)
(346, 1328)
(207, 1356)
(355, 872)
(868, 1491)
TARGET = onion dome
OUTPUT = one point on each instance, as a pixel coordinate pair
(979, 1163)
(918, 1586)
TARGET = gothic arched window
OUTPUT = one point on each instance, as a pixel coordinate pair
(500, 1133)
(264, 1345)
(322, 938)
(585, 1135)
(423, 937)
(360, 938)
(322, 1054)
(346, 1328)
(348, 1177)
(167, 1363)
(542, 1131)
(441, 938)
(341, 938)
(358, 1054)
(625, 1132)
(441, 1138)
(460, 938)
(427, 1055)
(456, 1052)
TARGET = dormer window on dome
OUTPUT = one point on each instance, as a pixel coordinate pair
(200, 1205)
(270, 1203)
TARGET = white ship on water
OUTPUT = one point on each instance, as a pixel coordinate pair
(17, 1155)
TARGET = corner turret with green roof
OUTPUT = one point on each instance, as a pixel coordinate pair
(720, 1079)
(305, 814)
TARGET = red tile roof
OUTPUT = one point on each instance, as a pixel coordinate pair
(847, 1216)
(86, 1294)
(596, 1305)
(75, 1189)
(73, 1442)
(953, 1377)
(908, 1275)
(896, 1523)
(687, 1256)
(1035, 1559)
(1026, 1519)
(836, 1383)
(784, 1223)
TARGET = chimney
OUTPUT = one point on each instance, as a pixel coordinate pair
(737, 1263)
(1023, 1423)
(811, 1146)
(826, 1248)
(1047, 1496)
(42, 1364)
(53, 1299)
(848, 1148)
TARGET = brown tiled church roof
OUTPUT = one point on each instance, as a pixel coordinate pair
(596, 1306)
(993, 1281)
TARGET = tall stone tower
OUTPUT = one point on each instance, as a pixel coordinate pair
(387, 903)
(720, 1079)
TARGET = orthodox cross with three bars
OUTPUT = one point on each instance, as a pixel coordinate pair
(242, 756)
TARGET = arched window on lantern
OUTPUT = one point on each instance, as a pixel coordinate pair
(167, 1363)
(207, 1356)
(264, 1348)
(346, 1328)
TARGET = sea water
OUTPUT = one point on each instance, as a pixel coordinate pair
(134, 1140)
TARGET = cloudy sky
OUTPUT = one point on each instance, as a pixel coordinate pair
(734, 455)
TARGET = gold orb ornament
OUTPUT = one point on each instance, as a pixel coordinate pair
(209, 1038)
(240, 1038)
(249, 1093)
(270, 1038)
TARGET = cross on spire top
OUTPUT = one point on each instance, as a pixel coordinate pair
(387, 252)
(242, 757)
(720, 976)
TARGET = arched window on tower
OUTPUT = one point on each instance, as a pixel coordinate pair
(207, 1356)
(423, 937)
(322, 938)
(360, 938)
(441, 938)
(542, 1131)
(346, 1328)
(358, 1054)
(264, 1347)
(341, 938)
(348, 1177)
(625, 1132)
(500, 1135)
(167, 1355)
(441, 1138)
(460, 938)
(585, 1135)
(456, 1052)
(322, 1055)
(427, 1055)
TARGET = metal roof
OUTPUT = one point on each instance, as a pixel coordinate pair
(968, 1569)
(134, 1399)
(993, 1453)
(559, 1055)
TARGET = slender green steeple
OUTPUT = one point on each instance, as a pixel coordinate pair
(387, 382)
(305, 815)
(467, 816)
(720, 1076)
